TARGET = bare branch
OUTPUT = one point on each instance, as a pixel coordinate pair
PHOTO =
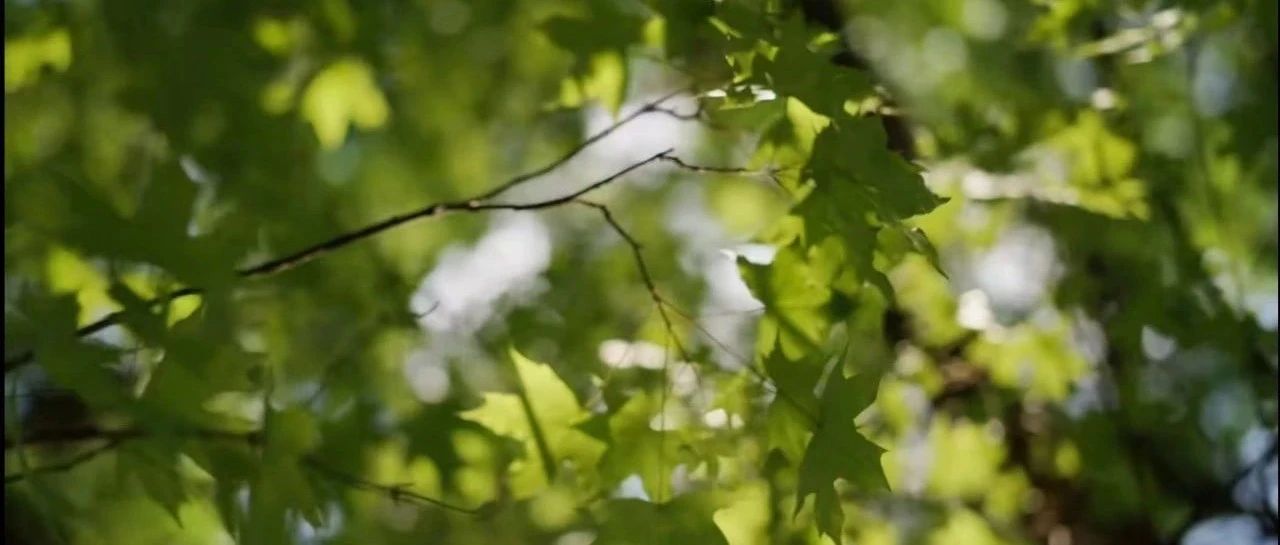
(643, 267)
(652, 107)
(663, 305)
(750, 366)
(90, 433)
(305, 255)
(702, 168)
(770, 173)
(109, 320)
(115, 437)
(695, 115)
(65, 465)
(425, 313)
(395, 492)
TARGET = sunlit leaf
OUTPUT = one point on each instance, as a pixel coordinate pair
(554, 408)
(340, 96)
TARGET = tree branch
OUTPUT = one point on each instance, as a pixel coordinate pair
(652, 107)
(89, 433)
(65, 465)
(280, 264)
(750, 366)
(645, 276)
(117, 436)
(396, 492)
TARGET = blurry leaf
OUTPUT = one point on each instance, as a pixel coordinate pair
(964, 526)
(606, 28)
(292, 432)
(969, 476)
(430, 433)
(24, 57)
(598, 43)
(274, 35)
(70, 361)
(39, 122)
(608, 80)
(281, 486)
(636, 448)
(1098, 166)
(683, 21)
(1041, 362)
(345, 93)
(556, 412)
(686, 519)
(194, 369)
(795, 295)
(155, 464)
(138, 315)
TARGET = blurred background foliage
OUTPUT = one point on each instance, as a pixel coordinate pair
(944, 271)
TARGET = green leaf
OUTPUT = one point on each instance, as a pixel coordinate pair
(796, 292)
(553, 410)
(684, 22)
(636, 448)
(26, 56)
(196, 368)
(154, 462)
(345, 93)
(852, 166)
(858, 187)
(292, 432)
(431, 432)
(1100, 164)
(686, 519)
(920, 242)
(798, 72)
(838, 451)
(70, 361)
(147, 324)
(788, 429)
(598, 43)
(281, 485)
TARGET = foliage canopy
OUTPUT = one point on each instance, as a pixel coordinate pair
(761, 271)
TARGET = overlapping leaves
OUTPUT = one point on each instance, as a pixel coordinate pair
(543, 416)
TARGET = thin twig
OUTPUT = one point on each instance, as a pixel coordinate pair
(771, 173)
(115, 437)
(106, 321)
(720, 170)
(314, 251)
(72, 435)
(281, 264)
(645, 276)
(663, 304)
(425, 313)
(652, 107)
(396, 492)
(65, 465)
(695, 115)
(598, 396)
(724, 313)
(749, 366)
